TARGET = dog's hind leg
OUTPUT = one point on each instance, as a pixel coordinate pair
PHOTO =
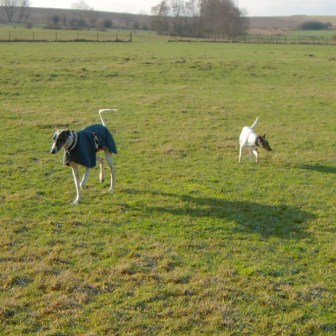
(240, 153)
(101, 169)
(108, 156)
(75, 173)
(84, 179)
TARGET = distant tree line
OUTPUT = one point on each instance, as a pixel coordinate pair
(82, 16)
(199, 18)
(315, 25)
(78, 22)
(81, 20)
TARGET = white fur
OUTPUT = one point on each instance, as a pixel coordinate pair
(105, 110)
(248, 138)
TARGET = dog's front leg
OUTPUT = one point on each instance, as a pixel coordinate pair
(251, 150)
(255, 152)
(84, 179)
(75, 173)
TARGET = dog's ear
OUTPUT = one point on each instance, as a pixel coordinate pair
(264, 136)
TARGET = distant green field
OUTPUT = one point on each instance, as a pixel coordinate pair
(191, 242)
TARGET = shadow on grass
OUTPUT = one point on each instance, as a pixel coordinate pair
(319, 168)
(283, 221)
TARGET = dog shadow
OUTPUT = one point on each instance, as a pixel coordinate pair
(319, 168)
(282, 220)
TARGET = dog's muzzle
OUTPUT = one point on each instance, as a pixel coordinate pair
(53, 150)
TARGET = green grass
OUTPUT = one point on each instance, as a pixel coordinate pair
(192, 242)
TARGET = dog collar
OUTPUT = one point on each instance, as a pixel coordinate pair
(74, 143)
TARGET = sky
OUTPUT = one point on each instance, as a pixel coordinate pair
(251, 7)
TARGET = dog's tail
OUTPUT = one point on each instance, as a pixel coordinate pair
(255, 123)
(105, 110)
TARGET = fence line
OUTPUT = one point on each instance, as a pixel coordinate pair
(68, 36)
(120, 36)
(262, 39)
(284, 39)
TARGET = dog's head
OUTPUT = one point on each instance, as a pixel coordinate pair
(59, 139)
(262, 142)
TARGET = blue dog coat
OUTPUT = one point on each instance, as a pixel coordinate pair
(90, 140)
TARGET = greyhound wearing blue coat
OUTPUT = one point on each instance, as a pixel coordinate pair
(80, 148)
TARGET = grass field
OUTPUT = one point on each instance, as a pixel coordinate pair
(192, 242)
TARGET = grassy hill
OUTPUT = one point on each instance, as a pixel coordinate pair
(44, 16)
(287, 22)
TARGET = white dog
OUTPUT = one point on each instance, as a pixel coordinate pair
(248, 137)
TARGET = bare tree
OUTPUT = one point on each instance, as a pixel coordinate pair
(179, 19)
(222, 18)
(160, 18)
(24, 10)
(172, 17)
(81, 5)
(10, 8)
(193, 11)
(216, 18)
(79, 21)
(192, 8)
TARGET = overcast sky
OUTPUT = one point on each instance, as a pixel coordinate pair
(252, 7)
